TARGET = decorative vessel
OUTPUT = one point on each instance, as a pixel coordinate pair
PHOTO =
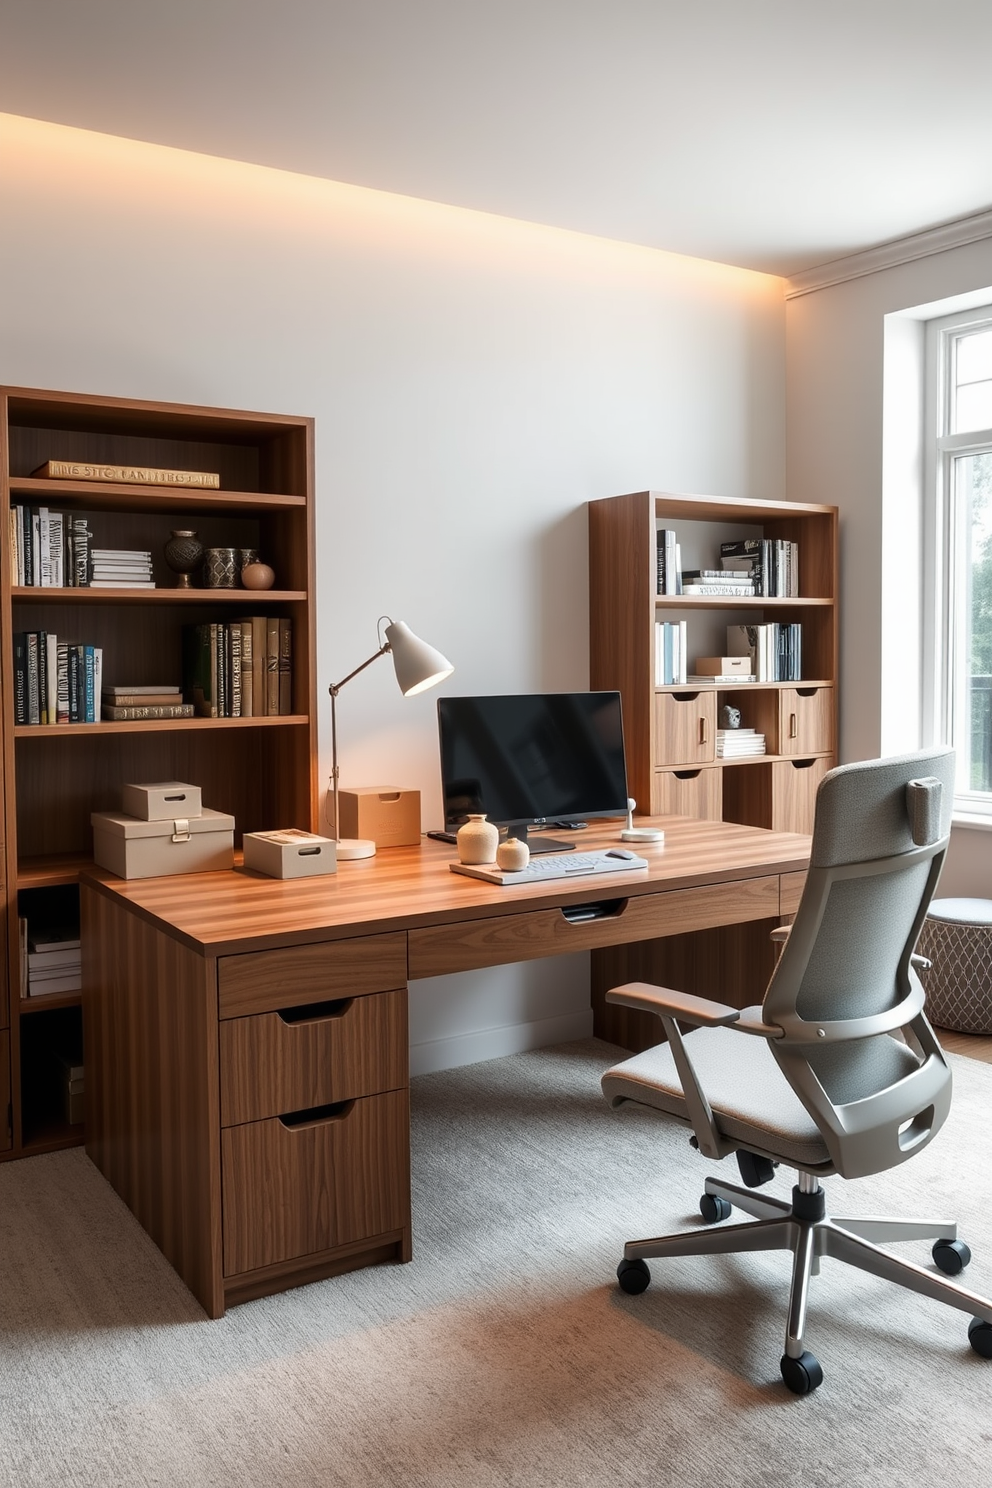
(513, 855)
(183, 554)
(257, 576)
(477, 840)
(220, 568)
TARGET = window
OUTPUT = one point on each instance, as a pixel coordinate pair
(960, 549)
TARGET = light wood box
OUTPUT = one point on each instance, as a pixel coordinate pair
(389, 816)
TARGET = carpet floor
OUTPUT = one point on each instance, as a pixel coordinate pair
(504, 1354)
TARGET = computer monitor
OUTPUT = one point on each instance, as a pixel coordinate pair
(532, 759)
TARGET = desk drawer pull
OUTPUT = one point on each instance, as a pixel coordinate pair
(313, 1012)
(318, 1115)
(603, 909)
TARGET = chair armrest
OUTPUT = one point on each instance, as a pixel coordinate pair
(665, 1000)
(920, 962)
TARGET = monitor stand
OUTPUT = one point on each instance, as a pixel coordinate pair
(539, 844)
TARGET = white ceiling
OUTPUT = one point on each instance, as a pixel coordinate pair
(774, 134)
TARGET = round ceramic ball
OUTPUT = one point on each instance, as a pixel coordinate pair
(257, 576)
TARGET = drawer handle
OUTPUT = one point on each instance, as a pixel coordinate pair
(702, 730)
(793, 726)
(314, 1012)
(803, 764)
(603, 909)
(318, 1115)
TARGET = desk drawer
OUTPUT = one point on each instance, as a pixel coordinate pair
(294, 1190)
(792, 891)
(275, 1062)
(441, 949)
(263, 981)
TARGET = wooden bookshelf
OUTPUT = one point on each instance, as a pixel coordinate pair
(262, 770)
(670, 731)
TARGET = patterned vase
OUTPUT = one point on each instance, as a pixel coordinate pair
(183, 554)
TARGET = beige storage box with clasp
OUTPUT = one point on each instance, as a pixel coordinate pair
(384, 813)
(290, 853)
(148, 849)
(162, 802)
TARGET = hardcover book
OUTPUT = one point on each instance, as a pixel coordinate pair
(133, 475)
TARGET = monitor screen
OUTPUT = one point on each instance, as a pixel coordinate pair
(540, 757)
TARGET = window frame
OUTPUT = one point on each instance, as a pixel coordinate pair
(945, 600)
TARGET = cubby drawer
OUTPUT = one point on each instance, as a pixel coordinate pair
(264, 981)
(697, 793)
(685, 728)
(806, 720)
(312, 1056)
(295, 1186)
(794, 785)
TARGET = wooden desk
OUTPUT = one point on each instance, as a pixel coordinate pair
(247, 1065)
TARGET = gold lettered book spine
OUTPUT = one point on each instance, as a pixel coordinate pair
(130, 475)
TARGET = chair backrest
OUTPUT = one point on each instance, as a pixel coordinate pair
(856, 1046)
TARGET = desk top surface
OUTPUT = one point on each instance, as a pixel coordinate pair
(406, 887)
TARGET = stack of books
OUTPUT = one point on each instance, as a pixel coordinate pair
(48, 549)
(120, 568)
(239, 669)
(718, 583)
(772, 564)
(670, 646)
(54, 961)
(55, 681)
(669, 562)
(126, 703)
(71, 1078)
(738, 743)
(775, 650)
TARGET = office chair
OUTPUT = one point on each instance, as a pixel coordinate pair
(838, 1070)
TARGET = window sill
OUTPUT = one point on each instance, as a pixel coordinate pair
(970, 819)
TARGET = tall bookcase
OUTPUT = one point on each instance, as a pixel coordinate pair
(670, 732)
(262, 770)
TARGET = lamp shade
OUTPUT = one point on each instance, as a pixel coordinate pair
(417, 665)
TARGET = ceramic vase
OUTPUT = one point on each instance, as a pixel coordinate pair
(513, 855)
(257, 576)
(477, 841)
(183, 554)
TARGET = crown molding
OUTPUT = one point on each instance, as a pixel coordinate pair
(888, 255)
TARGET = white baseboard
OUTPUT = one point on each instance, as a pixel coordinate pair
(493, 1043)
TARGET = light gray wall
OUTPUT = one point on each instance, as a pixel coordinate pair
(853, 439)
(474, 382)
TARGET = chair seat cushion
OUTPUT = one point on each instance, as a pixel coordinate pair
(753, 1103)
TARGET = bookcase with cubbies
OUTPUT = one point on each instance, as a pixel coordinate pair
(671, 730)
(259, 768)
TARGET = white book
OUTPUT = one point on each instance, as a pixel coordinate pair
(122, 584)
(52, 676)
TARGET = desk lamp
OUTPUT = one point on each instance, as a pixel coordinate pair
(417, 667)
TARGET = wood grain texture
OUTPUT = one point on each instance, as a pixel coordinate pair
(263, 981)
(806, 720)
(521, 937)
(792, 885)
(6, 1134)
(404, 888)
(153, 1103)
(691, 792)
(794, 787)
(263, 1281)
(289, 1192)
(685, 729)
(269, 1067)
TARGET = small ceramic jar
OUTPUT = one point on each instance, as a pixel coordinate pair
(257, 576)
(477, 840)
(513, 855)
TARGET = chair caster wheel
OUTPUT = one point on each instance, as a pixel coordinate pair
(634, 1277)
(802, 1375)
(713, 1209)
(980, 1337)
(950, 1256)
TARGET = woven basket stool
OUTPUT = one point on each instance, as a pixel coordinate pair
(957, 939)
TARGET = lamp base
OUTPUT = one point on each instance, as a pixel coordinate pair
(354, 847)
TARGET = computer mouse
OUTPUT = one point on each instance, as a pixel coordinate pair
(620, 852)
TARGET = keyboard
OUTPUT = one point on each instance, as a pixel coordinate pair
(553, 865)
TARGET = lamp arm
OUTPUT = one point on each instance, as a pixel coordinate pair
(334, 689)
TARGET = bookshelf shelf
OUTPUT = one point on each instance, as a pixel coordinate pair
(670, 730)
(261, 770)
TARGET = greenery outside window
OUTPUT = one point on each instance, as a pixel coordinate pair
(961, 550)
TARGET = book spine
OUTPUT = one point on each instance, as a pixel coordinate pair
(247, 670)
(52, 676)
(43, 677)
(234, 647)
(74, 685)
(271, 666)
(139, 699)
(34, 696)
(89, 691)
(20, 677)
(62, 684)
(55, 542)
(285, 666)
(215, 699)
(14, 535)
(114, 714)
(81, 552)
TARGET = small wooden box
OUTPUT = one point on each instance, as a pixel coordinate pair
(290, 853)
(723, 666)
(149, 849)
(390, 817)
(162, 802)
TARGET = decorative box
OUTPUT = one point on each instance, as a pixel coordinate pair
(162, 802)
(290, 853)
(388, 816)
(133, 848)
(723, 666)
